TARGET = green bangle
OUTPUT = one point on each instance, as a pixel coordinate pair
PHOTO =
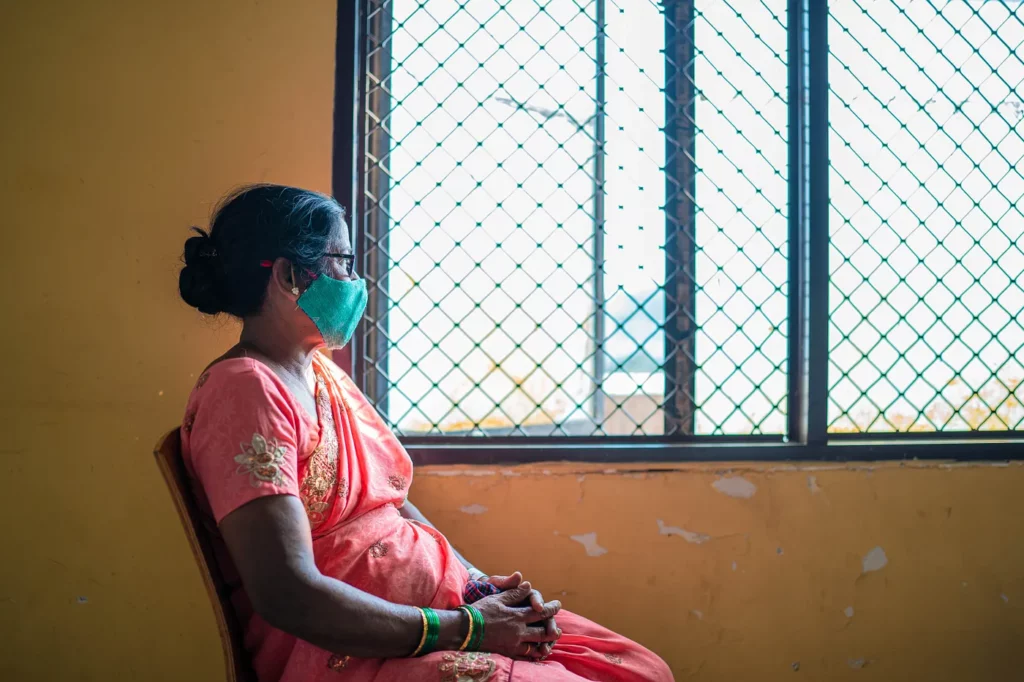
(478, 627)
(423, 637)
(433, 631)
(475, 637)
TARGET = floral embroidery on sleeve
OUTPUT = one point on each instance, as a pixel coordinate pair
(262, 460)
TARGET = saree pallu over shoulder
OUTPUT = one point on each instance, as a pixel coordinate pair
(363, 539)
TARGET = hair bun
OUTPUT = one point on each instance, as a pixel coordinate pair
(199, 248)
(198, 281)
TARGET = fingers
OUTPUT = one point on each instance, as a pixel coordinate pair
(536, 601)
(539, 634)
(547, 611)
(541, 641)
(506, 582)
(552, 628)
(517, 595)
(535, 652)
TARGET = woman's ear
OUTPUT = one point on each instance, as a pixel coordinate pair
(282, 279)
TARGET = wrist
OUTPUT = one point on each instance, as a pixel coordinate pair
(476, 573)
(454, 628)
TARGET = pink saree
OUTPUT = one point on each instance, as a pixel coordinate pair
(244, 436)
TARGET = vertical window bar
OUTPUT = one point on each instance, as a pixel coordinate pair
(347, 151)
(798, 227)
(680, 219)
(818, 238)
(599, 219)
(377, 186)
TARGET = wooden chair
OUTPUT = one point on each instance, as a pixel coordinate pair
(168, 459)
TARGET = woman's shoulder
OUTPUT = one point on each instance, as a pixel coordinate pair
(233, 369)
(242, 376)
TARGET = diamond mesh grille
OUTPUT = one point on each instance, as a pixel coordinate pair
(927, 232)
(515, 227)
(518, 165)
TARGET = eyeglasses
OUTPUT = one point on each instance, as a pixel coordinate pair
(348, 262)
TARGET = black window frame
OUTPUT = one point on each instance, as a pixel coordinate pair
(808, 438)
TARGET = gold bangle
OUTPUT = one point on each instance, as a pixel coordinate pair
(469, 637)
(423, 639)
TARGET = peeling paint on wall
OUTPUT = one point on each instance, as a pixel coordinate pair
(812, 485)
(688, 535)
(875, 560)
(848, 612)
(589, 542)
(735, 486)
(473, 509)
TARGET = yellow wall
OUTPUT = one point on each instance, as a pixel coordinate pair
(122, 123)
(731, 588)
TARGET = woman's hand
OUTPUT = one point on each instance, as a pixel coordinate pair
(514, 630)
(510, 582)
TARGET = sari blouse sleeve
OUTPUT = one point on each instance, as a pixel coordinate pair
(242, 435)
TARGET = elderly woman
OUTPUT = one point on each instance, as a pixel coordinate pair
(337, 575)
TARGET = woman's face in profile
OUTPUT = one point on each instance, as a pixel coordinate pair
(337, 262)
(339, 259)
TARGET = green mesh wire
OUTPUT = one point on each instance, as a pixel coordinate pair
(927, 232)
(514, 226)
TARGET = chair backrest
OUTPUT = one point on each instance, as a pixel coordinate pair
(168, 459)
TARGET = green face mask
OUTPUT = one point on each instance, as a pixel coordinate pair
(335, 306)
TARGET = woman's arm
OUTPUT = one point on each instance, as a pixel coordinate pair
(536, 599)
(269, 541)
(412, 512)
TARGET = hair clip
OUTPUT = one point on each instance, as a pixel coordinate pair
(266, 264)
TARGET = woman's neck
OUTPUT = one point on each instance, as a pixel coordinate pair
(291, 355)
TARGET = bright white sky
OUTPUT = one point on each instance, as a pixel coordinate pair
(494, 167)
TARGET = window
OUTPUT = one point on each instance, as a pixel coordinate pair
(627, 223)
(925, 300)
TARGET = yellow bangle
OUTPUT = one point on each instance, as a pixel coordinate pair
(423, 639)
(469, 637)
